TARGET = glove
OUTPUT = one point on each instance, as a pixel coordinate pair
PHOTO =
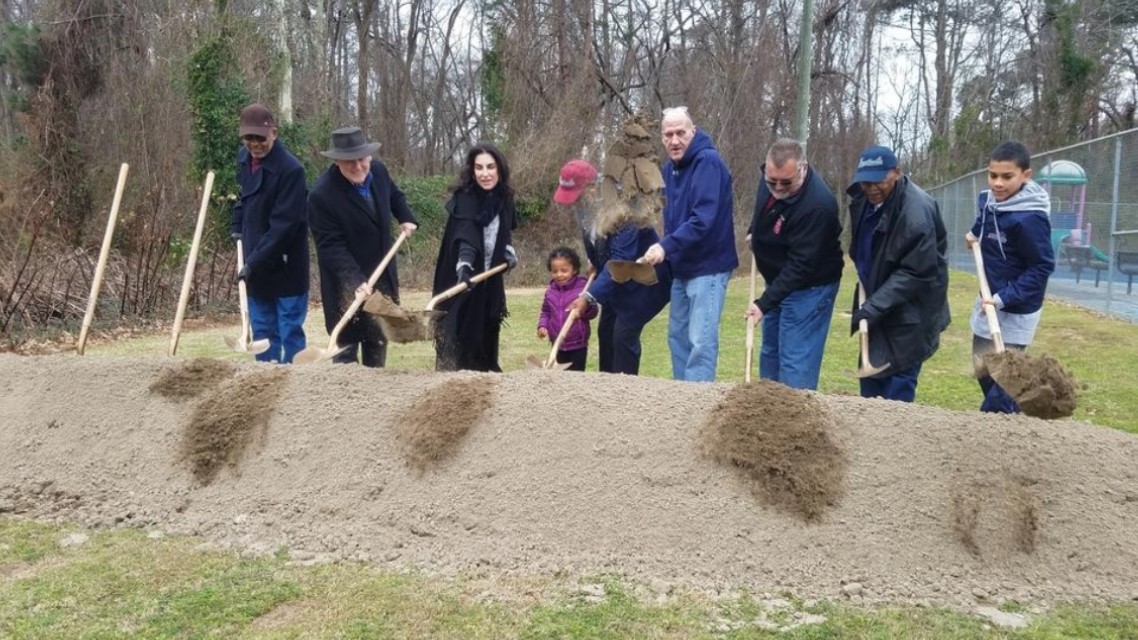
(862, 314)
(511, 258)
(465, 271)
(243, 274)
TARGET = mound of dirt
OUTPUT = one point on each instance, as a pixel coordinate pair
(1039, 384)
(780, 438)
(192, 378)
(228, 420)
(434, 426)
(586, 473)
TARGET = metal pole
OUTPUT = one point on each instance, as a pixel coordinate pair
(805, 62)
(1113, 221)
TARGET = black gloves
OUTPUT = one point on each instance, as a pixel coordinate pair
(244, 273)
(465, 271)
(862, 314)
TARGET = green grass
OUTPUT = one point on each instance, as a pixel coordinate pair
(1094, 348)
(123, 584)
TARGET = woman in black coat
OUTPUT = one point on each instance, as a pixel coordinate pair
(481, 217)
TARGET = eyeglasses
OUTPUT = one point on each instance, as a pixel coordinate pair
(253, 138)
(784, 182)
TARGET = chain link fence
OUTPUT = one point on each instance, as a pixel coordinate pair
(1094, 221)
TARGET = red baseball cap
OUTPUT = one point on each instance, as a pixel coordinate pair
(575, 176)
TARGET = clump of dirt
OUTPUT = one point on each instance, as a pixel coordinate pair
(434, 426)
(1039, 384)
(192, 378)
(781, 440)
(231, 417)
(1000, 514)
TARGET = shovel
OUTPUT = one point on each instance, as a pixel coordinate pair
(400, 325)
(865, 369)
(534, 362)
(635, 270)
(986, 294)
(316, 354)
(244, 344)
(750, 328)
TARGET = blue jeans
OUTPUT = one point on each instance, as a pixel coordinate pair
(693, 326)
(281, 320)
(899, 385)
(794, 337)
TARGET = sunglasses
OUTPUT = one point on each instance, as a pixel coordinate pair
(785, 182)
(253, 138)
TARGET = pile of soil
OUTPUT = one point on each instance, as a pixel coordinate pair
(573, 474)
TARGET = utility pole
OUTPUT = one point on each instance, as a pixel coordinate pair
(805, 63)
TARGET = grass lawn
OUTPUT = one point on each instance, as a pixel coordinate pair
(126, 584)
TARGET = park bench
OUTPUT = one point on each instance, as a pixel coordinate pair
(1080, 258)
(1127, 263)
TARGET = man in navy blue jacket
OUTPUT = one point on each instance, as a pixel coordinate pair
(698, 243)
(795, 235)
(270, 219)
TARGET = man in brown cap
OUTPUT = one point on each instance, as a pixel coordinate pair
(269, 219)
(350, 211)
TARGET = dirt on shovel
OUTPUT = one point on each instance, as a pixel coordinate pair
(398, 324)
(1039, 384)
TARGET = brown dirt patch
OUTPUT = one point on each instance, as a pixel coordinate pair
(434, 426)
(1039, 384)
(228, 420)
(192, 378)
(780, 439)
(998, 515)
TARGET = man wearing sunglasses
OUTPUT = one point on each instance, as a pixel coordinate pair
(270, 219)
(795, 239)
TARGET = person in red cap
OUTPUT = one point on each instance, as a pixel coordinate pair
(270, 219)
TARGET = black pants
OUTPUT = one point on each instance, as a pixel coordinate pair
(626, 347)
(576, 358)
(373, 352)
(604, 339)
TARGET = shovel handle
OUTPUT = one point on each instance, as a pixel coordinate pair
(462, 286)
(750, 352)
(986, 294)
(104, 252)
(359, 300)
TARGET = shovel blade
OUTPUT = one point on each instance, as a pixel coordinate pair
(381, 305)
(869, 372)
(310, 355)
(252, 348)
(625, 270)
(534, 362)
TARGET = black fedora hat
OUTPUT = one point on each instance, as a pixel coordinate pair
(350, 143)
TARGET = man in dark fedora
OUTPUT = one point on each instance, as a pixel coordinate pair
(269, 219)
(350, 210)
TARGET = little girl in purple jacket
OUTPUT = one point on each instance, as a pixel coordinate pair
(566, 284)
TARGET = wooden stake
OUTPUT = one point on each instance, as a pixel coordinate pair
(184, 298)
(97, 281)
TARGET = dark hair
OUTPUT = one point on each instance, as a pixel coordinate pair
(1012, 151)
(466, 181)
(566, 253)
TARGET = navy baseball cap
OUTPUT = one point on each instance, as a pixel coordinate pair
(874, 164)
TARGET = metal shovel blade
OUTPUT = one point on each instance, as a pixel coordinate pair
(252, 348)
(625, 270)
(309, 355)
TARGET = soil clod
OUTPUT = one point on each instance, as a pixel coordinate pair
(1039, 384)
(780, 439)
(434, 426)
(192, 378)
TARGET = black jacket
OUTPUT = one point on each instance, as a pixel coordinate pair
(269, 215)
(797, 241)
(352, 237)
(907, 292)
(467, 335)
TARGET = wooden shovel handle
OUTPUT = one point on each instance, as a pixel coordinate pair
(750, 353)
(243, 296)
(569, 320)
(188, 279)
(461, 286)
(97, 280)
(359, 300)
(986, 294)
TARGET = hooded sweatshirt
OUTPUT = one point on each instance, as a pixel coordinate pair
(1015, 241)
(699, 228)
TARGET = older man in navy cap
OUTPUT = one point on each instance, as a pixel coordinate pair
(898, 246)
